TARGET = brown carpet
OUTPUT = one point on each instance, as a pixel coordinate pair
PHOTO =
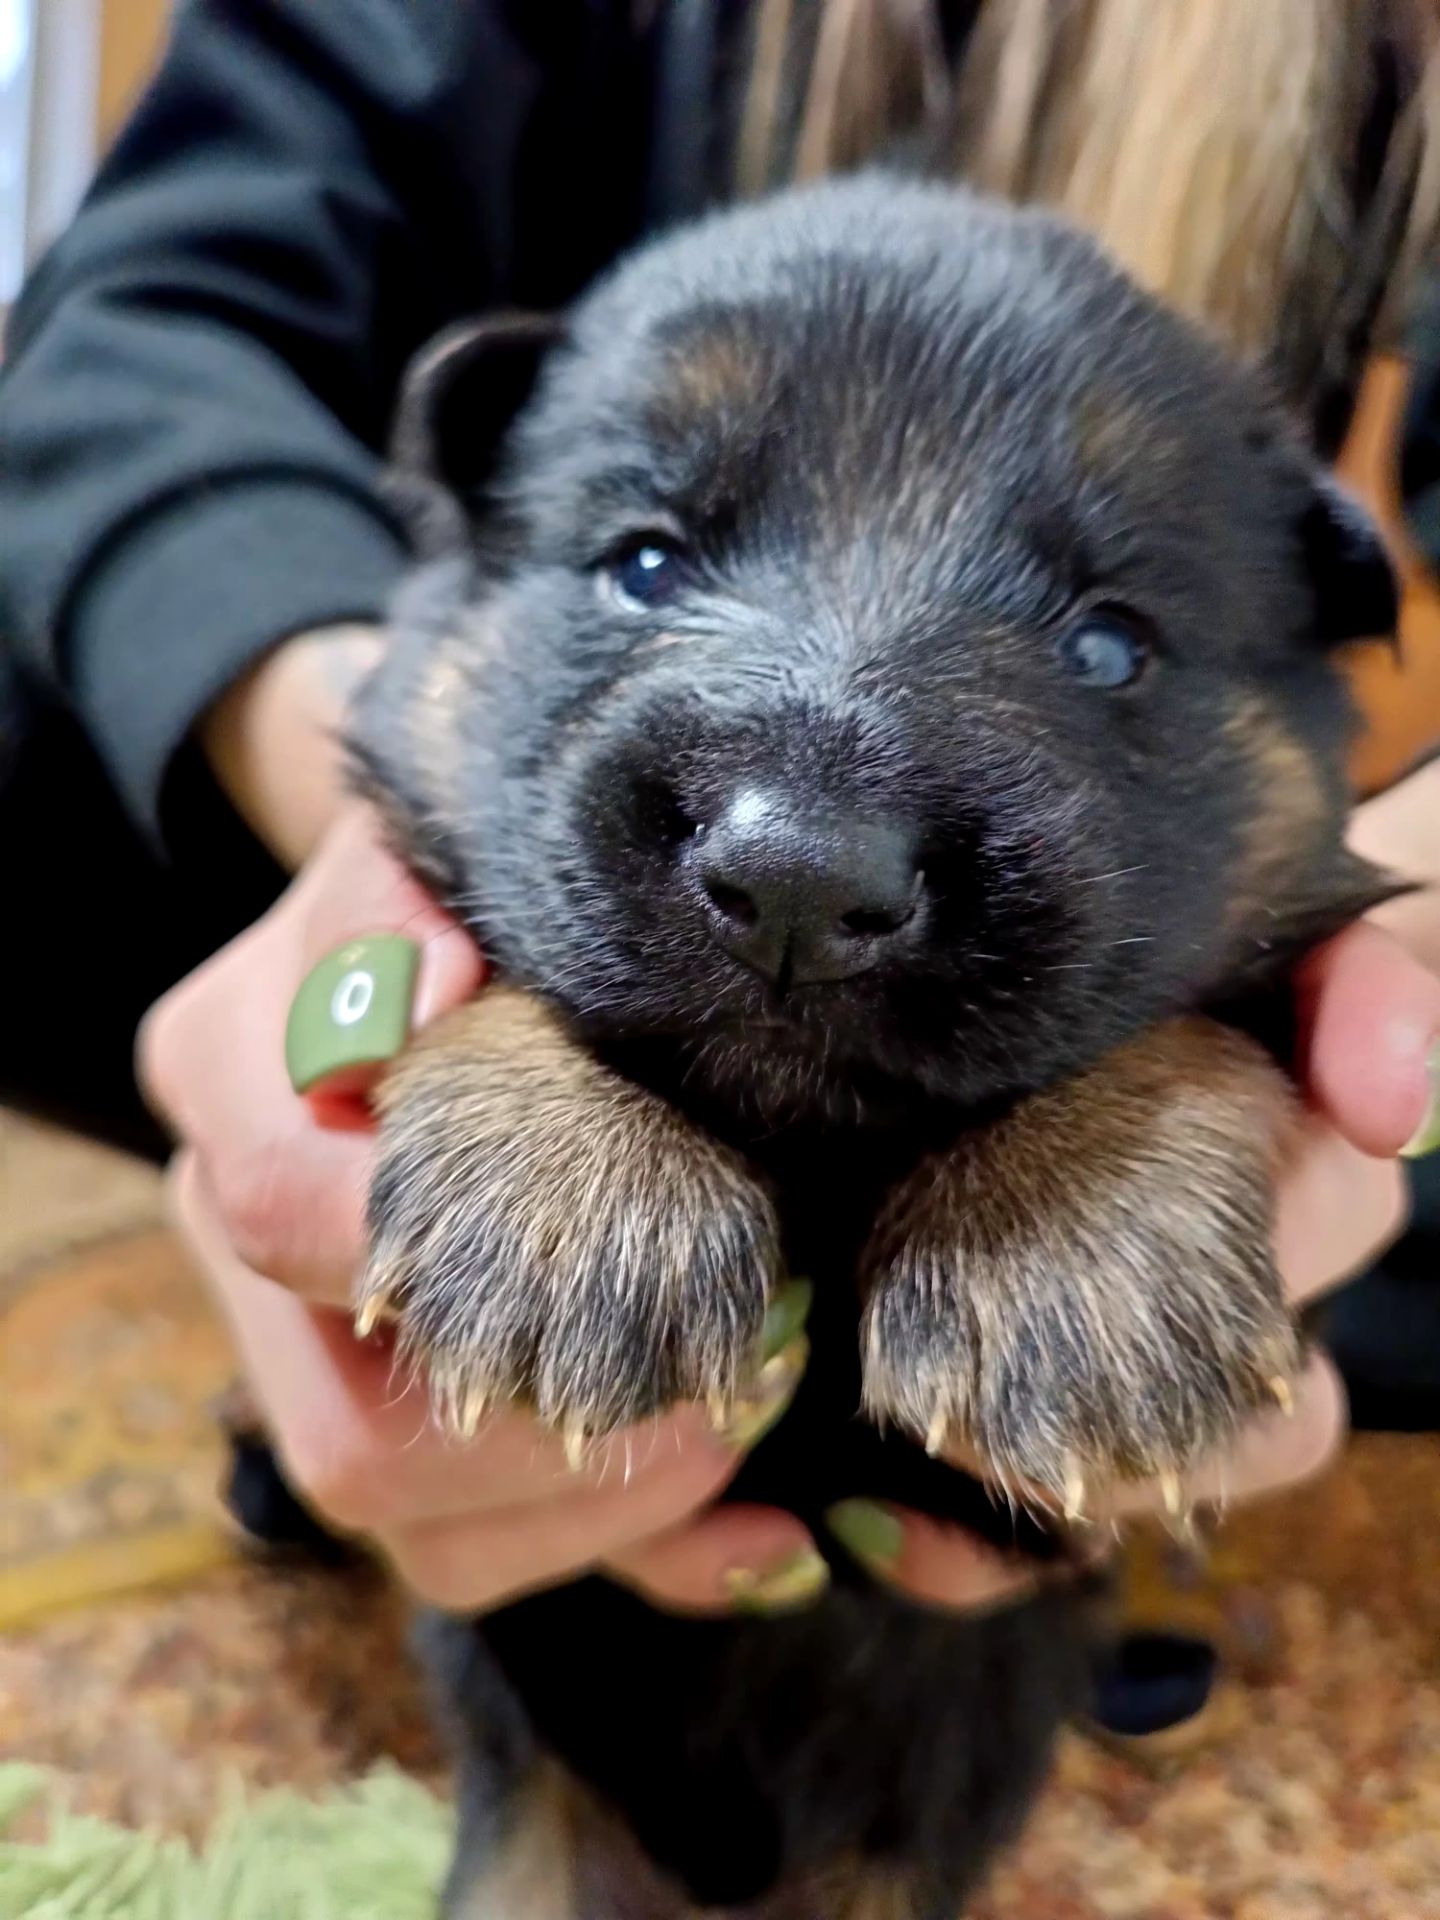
(145, 1659)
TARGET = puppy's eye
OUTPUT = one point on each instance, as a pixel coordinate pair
(1106, 649)
(646, 573)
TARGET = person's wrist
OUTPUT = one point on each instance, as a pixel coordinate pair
(273, 739)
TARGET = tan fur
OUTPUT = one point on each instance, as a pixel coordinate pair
(528, 1874)
(562, 1857)
(430, 717)
(1109, 432)
(715, 371)
(1085, 1290)
(1289, 811)
(543, 1228)
(423, 687)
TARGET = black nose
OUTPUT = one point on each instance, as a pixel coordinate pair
(805, 897)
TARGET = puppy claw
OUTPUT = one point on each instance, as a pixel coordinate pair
(445, 1407)
(1172, 1494)
(936, 1432)
(1282, 1395)
(1074, 1492)
(471, 1411)
(1183, 1529)
(374, 1308)
(575, 1440)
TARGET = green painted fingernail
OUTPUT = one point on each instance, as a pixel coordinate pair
(1427, 1140)
(748, 1418)
(352, 1010)
(785, 1316)
(789, 1584)
(872, 1533)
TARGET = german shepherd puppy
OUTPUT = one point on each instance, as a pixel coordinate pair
(871, 693)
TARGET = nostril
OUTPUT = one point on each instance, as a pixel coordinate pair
(876, 921)
(660, 819)
(872, 922)
(732, 903)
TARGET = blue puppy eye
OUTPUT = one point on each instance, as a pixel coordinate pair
(645, 575)
(1103, 650)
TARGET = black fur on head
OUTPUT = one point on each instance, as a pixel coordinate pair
(890, 654)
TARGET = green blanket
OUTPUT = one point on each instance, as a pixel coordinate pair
(374, 1851)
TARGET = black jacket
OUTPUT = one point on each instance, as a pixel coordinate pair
(201, 373)
(200, 376)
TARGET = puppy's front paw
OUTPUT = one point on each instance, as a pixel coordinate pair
(1085, 1292)
(541, 1229)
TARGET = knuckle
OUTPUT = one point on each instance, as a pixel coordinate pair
(442, 1575)
(256, 1197)
(688, 1480)
(1395, 1202)
(1381, 1210)
(339, 1476)
(1319, 1430)
(157, 1053)
(670, 1592)
(178, 1192)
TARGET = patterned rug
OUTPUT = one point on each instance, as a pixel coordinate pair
(153, 1666)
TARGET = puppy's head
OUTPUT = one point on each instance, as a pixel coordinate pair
(890, 653)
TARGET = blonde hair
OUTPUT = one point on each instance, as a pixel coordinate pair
(1211, 145)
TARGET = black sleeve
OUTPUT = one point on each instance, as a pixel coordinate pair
(1420, 449)
(200, 374)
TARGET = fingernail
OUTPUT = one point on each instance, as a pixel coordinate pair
(352, 1010)
(871, 1532)
(783, 1587)
(1427, 1140)
(785, 1316)
(751, 1415)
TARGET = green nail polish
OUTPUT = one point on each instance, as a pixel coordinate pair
(793, 1582)
(352, 1010)
(785, 1316)
(751, 1416)
(1427, 1140)
(872, 1533)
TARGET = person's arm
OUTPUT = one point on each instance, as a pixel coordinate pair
(274, 739)
(200, 375)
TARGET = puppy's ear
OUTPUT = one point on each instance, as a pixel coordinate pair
(1356, 593)
(457, 401)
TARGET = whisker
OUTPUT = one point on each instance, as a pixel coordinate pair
(1115, 873)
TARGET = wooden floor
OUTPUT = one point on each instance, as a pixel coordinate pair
(143, 1658)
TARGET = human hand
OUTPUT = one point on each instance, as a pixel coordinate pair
(273, 739)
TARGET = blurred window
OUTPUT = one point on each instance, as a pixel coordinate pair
(17, 60)
(49, 87)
